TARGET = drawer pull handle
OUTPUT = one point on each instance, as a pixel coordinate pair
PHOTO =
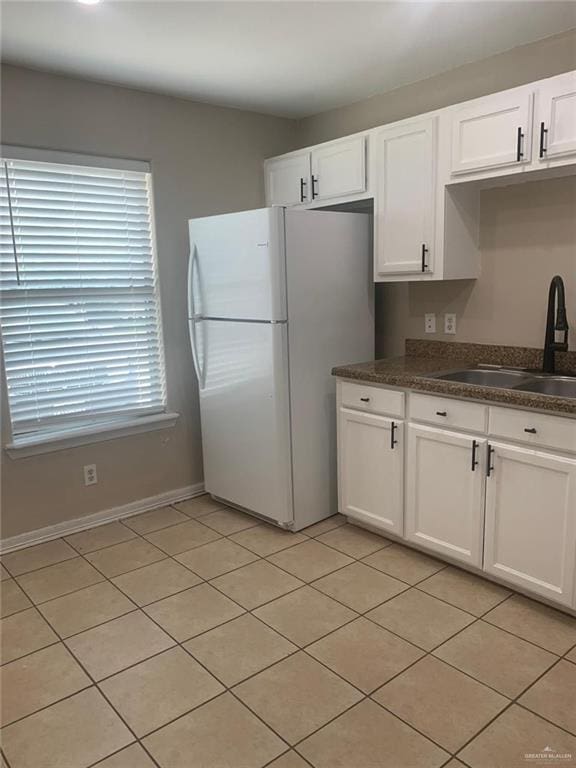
(441, 413)
(393, 441)
(530, 430)
(365, 399)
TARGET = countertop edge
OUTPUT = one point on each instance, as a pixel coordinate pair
(558, 406)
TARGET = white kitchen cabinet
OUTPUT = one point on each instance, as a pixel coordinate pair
(556, 118)
(338, 169)
(371, 469)
(445, 492)
(492, 132)
(530, 529)
(405, 185)
(287, 179)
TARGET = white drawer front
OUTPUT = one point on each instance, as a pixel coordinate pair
(446, 412)
(372, 399)
(536, 429)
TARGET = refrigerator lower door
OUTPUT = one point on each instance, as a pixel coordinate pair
(244, 403)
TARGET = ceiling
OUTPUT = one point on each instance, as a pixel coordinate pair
(285, 58)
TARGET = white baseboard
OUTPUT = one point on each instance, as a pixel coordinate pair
(67, 527)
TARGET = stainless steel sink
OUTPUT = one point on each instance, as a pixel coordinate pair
(486, 377)
(559, 386)
(501, 378)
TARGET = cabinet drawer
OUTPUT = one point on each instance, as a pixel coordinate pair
(448, 413)
(372, 399)
(536, 429)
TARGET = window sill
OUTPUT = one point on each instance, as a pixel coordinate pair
(33, 445)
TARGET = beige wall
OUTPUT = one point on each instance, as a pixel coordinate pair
(205, 160)
(208, 160)
(528, 232)
(524, 64)
(527, 235)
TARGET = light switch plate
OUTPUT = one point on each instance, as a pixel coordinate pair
(430, 323)
(449, 323)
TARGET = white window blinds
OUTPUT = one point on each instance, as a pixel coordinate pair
(79, 296)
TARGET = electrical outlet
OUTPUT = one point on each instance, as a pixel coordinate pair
(449, 323)
(90, 474)
(430, 323)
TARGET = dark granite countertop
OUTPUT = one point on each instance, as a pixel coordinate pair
(424, 358)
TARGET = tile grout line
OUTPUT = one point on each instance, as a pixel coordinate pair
(101, 760)
(5, 758)
(299, 648)
(303, 649)
(514, 701)
(180, 644)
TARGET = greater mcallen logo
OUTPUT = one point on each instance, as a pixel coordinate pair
(548, 754)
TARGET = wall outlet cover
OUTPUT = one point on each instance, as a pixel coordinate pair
(430, 323)
(449, 323)
(90, 474)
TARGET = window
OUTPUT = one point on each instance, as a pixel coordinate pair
(79, 302)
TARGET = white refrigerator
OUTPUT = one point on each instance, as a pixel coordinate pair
(276, 298)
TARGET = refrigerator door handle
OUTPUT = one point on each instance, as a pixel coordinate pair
(192, 258)
(197, 368)
(192, 318)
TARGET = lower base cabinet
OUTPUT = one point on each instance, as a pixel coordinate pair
(530, 524)
(498, 504)
(445, 492)
(371, 469)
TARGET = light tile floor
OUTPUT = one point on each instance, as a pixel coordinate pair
(194, 636)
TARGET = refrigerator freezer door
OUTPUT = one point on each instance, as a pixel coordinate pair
(245, 415)
(236, 267)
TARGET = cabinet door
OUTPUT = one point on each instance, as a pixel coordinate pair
(404, 201)
(493, 132)
(288, 179)
(556, 120)
(445, 492)
(339, 168)
(370, 471)
(531, 520)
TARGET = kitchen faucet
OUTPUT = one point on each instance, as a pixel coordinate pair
(556, 301)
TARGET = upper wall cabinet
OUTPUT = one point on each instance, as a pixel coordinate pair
(556, 118)
(492, 132)
(321, 175)
(287, 179)
(405, 189)
(339, 168)
(425, 174)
